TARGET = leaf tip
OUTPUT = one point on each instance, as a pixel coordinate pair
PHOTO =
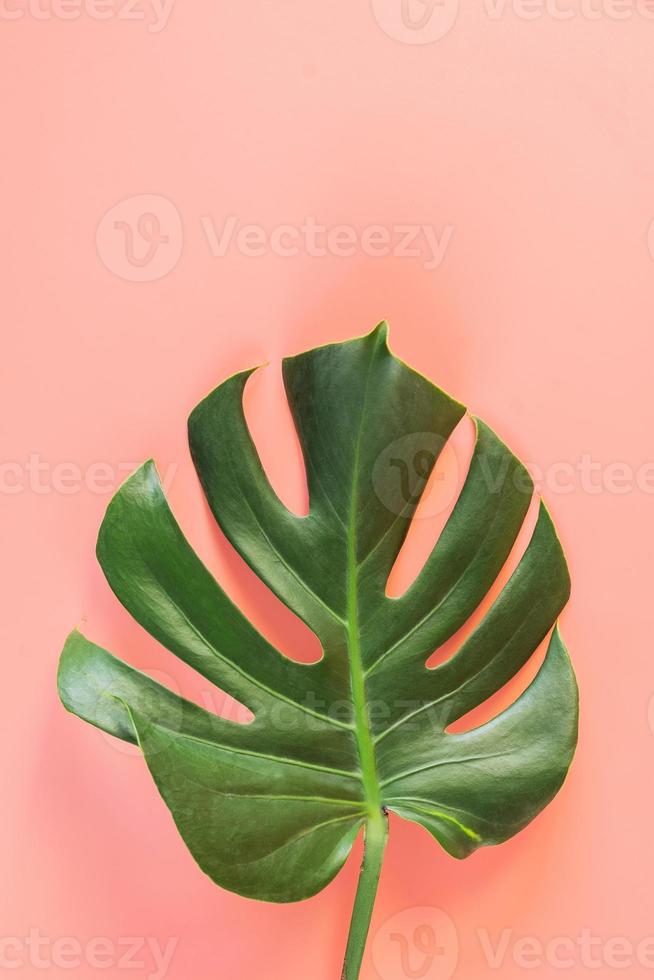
(380, 332)
(71, 641)
(68, 652)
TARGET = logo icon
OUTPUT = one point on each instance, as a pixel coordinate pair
(417, 944)
(148, 706)
(140, 239)
(417, 468)
(416, 21)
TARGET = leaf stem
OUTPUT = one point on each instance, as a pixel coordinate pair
(374, 847)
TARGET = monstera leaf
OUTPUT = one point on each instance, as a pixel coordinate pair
(271, 809)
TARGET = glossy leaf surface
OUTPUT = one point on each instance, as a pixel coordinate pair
(271, 809)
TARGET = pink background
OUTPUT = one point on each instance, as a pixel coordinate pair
(531, 139)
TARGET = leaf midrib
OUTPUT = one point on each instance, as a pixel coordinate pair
(363, 728)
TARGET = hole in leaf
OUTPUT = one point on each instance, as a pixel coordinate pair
(183, 680)
(130, 643)
(456, 641)
(434, 509)
(267, 613)
(505, 697)
(271, 426)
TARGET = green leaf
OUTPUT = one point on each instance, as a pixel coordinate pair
(271, 809)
